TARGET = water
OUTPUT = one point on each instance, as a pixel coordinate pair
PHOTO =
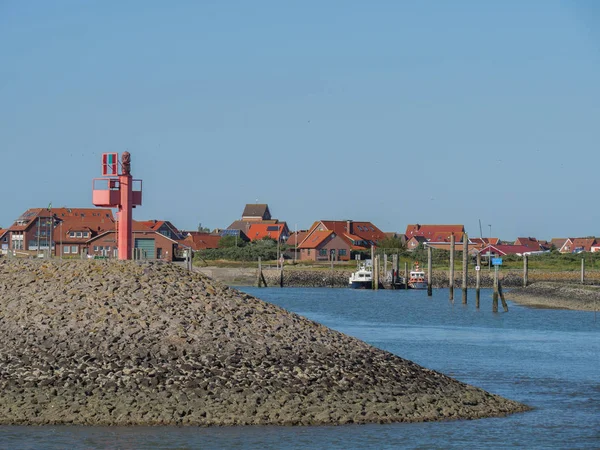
(548, 359)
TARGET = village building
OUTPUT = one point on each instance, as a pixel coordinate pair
(57, 231)
(358, 236)
(324, 245)
(147, 244)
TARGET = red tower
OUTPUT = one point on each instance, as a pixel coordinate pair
(116, 191)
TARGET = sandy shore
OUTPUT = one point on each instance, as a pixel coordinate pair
(557, 296)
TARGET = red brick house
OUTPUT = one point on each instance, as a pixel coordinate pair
(197, 240)
(582, 244)
(324, 245)
(413, 243)
(147, 244)
(63, 230)
(359, 236)
(295, 239)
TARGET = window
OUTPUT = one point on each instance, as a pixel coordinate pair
(95, 248)
(308, 252)
(72, 234)
(66, 249)
(79, 234)
(342, 252)
(86, 234)
(74, 249)
(323, 252)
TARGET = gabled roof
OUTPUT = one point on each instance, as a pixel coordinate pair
(276, 231)
(445, 236)
(96, 219)
(485, 241)
(244, 225)
(316, 238)
(505, 249)
(156, 225)
(257, 211)
(359, 235)
(201, 241)
(582, 244)
(558, 242)
(3, 232)
(419, 239)
(429, 230)
(296, 237)
(530, 242)
(136, 227)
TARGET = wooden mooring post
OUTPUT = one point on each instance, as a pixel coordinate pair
(429, 272)
(465, 270)
(525, 270)
(405, 275)
(394, 270)
(261, 277)
(376, 273)
(281, 275)
(582, 270)
(477, 280)
(495, 293)
(504, 305)
(451, 274)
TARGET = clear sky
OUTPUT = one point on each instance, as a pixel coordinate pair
(393, 111)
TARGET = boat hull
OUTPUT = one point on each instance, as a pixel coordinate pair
(361, 285)
(417, 285)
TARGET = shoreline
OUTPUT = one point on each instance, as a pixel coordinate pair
(557, 296)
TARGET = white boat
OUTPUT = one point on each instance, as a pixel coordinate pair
(417, 279)
(363, 277)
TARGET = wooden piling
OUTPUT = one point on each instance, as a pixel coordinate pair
(495, 294)
(504, 305)
(375, 274)
(478, 281)
(429, 272)
(451, 274)
(260, 274)
(465, 268)
(525, 270)
(405, 275)
(582, 270)
(281, 276)
(394, 270)
(385, 264)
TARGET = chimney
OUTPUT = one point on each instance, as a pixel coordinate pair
(349, 226)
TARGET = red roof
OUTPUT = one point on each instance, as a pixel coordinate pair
(507, 249)
(201, 241)
(582, 244)
(430, 230)
(361, 235)
(257, 231)
(316, 238)
(296, 237)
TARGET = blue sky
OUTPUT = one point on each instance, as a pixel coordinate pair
(395, 112)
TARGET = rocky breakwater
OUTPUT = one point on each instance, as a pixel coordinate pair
(121, 343)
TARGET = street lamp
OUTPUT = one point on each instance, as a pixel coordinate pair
(490, 248)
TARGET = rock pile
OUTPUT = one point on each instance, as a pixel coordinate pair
(121, 343)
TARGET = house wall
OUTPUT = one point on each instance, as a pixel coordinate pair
(106, 245)
(322, 251)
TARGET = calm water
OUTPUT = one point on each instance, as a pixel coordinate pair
(545, 358)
